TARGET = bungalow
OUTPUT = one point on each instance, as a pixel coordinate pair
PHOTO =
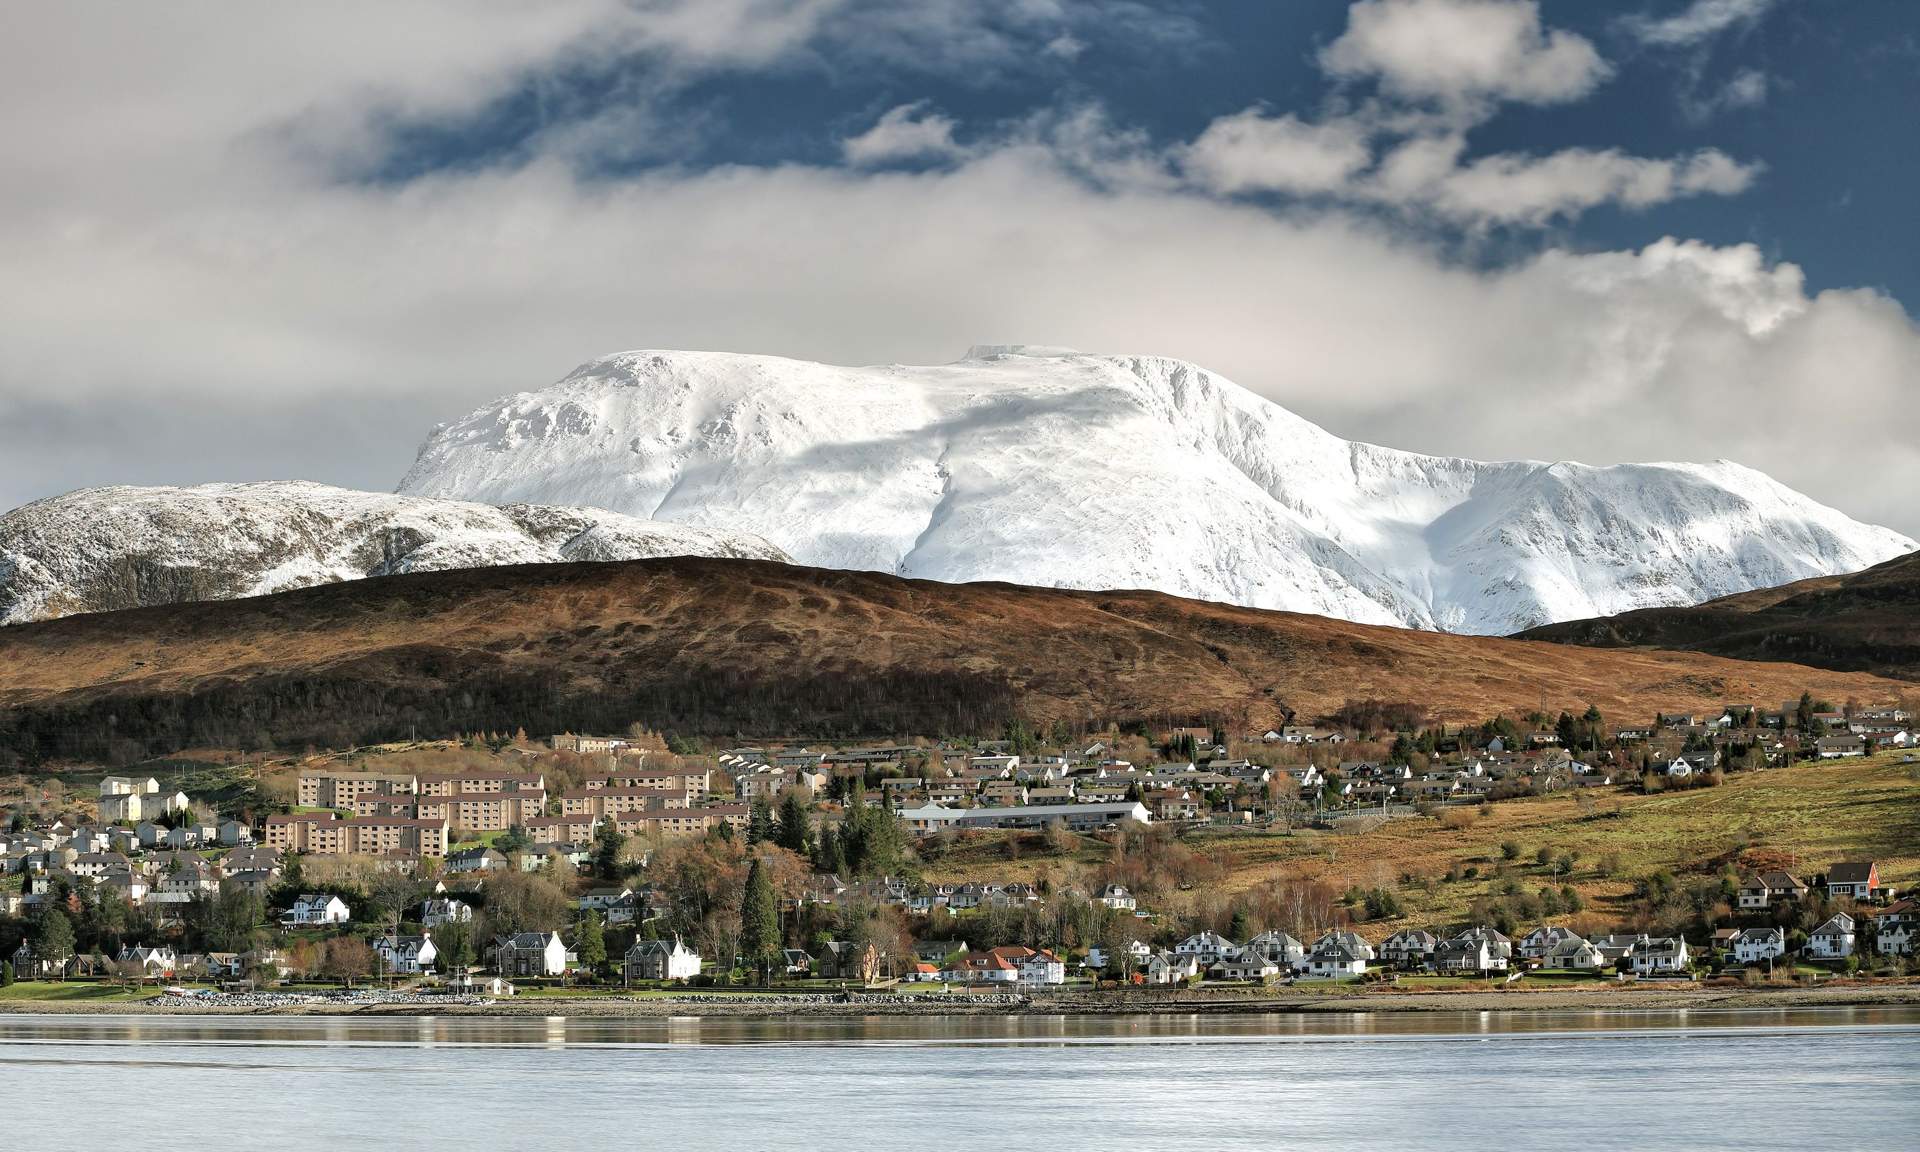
(1759, 945)
(666, 960)
(1408, 948)
(1855, 879)
(1116, 897)
(317, 908)
(1617, 948)
(1833, 940)
(405, 955)
(1662, 955)
(1248, 965)
(981, 968)
(1839, 747)
(1573, 954)
(1763, 889)
(937, 951)
(530, 954)
(476, 860)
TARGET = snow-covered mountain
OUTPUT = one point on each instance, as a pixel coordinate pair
(105, 548)
(1044, 466)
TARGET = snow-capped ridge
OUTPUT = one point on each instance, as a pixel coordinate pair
(1044, 466)
(120, 547)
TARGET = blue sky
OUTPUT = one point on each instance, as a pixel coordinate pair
(249, 243)
(1816, 93)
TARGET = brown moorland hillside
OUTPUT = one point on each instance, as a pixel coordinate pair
(1862, 622)
(725, 647)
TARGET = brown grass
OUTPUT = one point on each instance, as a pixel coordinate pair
(608, 631)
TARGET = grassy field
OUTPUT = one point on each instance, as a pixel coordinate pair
(1810, 815)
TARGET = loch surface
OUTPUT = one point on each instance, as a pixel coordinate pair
(1814, 1078)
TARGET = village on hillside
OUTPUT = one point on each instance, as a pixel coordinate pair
(499, 866)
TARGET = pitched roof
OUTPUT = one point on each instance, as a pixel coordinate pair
(1851, 872)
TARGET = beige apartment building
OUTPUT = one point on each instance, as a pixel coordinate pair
(347, 789)
(473, 801)
(326, 834)
(675, 822)
(691, 784)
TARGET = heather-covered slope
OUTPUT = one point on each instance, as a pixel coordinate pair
(761, 649)
(1867, 621)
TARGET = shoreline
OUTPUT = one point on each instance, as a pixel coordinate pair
(776, 1005)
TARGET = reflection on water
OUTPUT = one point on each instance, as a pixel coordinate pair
(574, 1032)
(1587, 1080)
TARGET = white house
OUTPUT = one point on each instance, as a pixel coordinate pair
(1116, 897)
(438, 912)
(405, 955)
(1171, 968)
(1043, 967)
(1536, 944)
(1138, 953)
(1574, 954)
(1661, 955)
(1759, 945)
(1351, 941)
(1895, 927)
(153, 962)
(1855, 879)
(1249, 965)
(662, 960)
(1282, 949)
(1206, 948)
(317, 908)
(1408, 948)
(1833, 940)
(1332, 959)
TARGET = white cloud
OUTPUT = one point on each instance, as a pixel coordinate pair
(1518, 189)
(1462, 52)
(1700, 21)
(1253, 151)
(189, 297)
(907, 132)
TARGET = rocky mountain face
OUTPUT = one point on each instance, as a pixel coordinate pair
(101, 549)
(1051, 468)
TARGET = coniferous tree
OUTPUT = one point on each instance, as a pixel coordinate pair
(795, 832)
(590, 943)
(759, 922)
(607, 842)
(759, 822)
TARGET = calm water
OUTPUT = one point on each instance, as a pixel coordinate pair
(1843, 1078)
